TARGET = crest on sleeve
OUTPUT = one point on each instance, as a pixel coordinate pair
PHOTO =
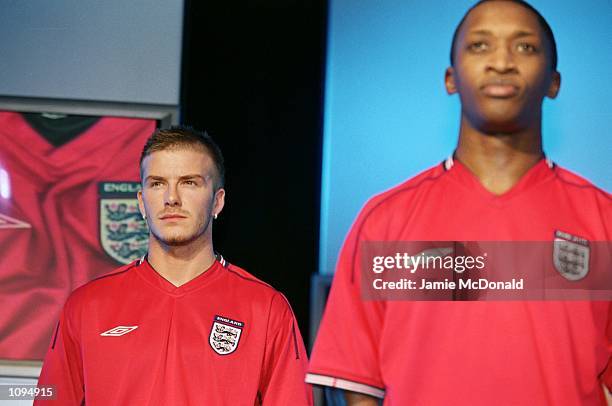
(123, 232)
(225, 335)
(571, 256)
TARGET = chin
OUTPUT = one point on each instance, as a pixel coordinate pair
(498, 122)
(177, 241)
(174, 240)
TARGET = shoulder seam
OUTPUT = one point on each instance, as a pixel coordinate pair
(246, 278)
(55, 335)
(371, 210)
(578, 185)
(133, 265)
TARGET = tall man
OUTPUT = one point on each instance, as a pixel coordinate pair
(498, 186)
(181, 326)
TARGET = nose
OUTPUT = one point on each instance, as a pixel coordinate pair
(172, 197)
(502, 59)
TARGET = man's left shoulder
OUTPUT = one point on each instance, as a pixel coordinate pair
(259, 294)
(250, 284)
(577, 184)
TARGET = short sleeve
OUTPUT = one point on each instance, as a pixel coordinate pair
(62, 367)
(346, 351)
(285, 359)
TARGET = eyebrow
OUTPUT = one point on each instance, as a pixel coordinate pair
(517, 34)
(184, 177)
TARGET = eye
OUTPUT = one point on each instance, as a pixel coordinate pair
(155, 184)
(189, 182)
(526, 47)
(478, 46)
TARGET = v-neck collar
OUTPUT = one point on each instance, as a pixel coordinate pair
(146, 271)
(61, 156)
(538, 173)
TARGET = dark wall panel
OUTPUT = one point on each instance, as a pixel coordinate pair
(253, 78)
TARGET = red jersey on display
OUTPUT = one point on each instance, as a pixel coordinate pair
(133, 338)
(67, 215)
(469, 353)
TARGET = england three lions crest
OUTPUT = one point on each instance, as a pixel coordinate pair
(123, 233)
(225, 335)
(571, 256)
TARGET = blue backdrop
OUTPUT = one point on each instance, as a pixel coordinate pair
(388, 117)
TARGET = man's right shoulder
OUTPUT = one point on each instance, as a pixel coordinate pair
(398, 196)
(108, 282)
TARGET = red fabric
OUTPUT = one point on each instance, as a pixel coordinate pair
(168, 359)
(470, 353)
(607, 375)
(55, 191)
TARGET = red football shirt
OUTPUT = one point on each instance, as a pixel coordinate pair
(68, 214)
(133, 338)
(469, 353)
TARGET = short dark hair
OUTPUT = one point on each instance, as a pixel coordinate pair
(543, 23)
(184, 136)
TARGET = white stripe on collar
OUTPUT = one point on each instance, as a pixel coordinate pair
(550, 163)
(449, 163)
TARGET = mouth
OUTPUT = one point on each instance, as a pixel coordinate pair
(500, 89)
(172, 217)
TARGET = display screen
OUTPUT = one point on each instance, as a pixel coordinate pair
(68, 214)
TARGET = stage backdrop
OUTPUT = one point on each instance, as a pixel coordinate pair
(387, 116)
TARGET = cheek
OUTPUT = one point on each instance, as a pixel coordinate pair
(465, 82)
(152, 200)
(535, 70)
(201, 202)
(541, 81)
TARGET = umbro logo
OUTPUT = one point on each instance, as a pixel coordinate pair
(118, 331)
(10, 222)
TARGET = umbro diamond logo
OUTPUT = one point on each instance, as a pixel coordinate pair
(118, 331)
(10, 222)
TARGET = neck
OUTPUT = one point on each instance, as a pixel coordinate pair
(499, 160)
(181, 264)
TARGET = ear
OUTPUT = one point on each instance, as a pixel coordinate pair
(219, 201)
(449, 80)
(555, 85)
(141, 205)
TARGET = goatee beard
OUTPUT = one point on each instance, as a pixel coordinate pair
(181, 241)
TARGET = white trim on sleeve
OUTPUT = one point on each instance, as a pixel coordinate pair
(333, 382)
